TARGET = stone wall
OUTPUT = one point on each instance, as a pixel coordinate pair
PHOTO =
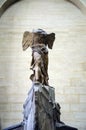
(4, 4)
(67, 60)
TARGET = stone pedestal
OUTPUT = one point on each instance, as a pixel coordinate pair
(40, 111)
(38, 108)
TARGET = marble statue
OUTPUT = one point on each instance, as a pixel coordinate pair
(39, 40)
(41, 112)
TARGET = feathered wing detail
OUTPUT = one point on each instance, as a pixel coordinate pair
(27, 40)
(50, 40)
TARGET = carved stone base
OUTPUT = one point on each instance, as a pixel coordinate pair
(40, 111)
(38, 108)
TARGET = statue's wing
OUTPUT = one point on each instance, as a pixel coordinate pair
(50, 40)
(27, 40)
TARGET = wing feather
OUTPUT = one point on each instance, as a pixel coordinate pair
(27, 40)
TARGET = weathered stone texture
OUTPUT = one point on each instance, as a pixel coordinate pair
(67, 61)
(38, 108)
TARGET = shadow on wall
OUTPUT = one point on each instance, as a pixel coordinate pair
(5, 4)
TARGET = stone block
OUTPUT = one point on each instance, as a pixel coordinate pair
(75, 90)
(38, 112)
(82, 98)
(78, 107)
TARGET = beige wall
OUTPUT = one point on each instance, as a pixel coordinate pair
(67, 64)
